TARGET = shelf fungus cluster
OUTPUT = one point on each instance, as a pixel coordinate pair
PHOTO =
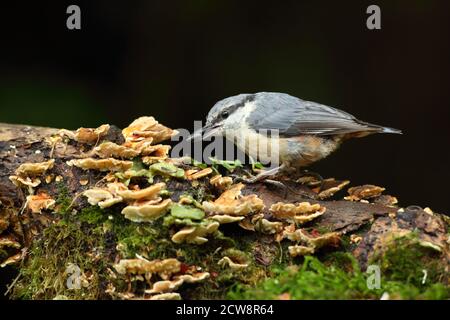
(86, 135)
(364, 192)
(297, 213)
(307, 244)
(29, 174)
(143, 205)
(232, 203)
(163, 277)
(11, 248)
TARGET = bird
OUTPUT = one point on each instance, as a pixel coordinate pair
(301, 132)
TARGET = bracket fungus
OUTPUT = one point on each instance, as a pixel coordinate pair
(109, 164)
(234, 259)
(166, 286)
(164, 268)
(316, 242)
(27, 173)
(112, 150)
(39, 202)
(12, 260)
(34, 169)
(221, 183)
(147, 128)
(386, 200)
(196, 234)
(300, 213)
(197, 174)
(144, 204)
(86, 135)
(101, 197)
(148, 193)
(298, 250)
(225, 218)
(331, 187)
(8, 241)
(166, 296)
(231, 202)
(363, 192)
(146, 211)
(269, 227)
(154, 154)
(25, 181)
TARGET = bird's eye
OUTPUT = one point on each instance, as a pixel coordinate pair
(224, 114)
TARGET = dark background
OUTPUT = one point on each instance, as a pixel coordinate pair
(175, 59)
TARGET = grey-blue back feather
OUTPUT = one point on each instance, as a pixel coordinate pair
(293, 116)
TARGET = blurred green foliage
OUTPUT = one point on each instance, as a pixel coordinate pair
(49, 104)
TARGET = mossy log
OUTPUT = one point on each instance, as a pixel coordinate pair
(45, 242)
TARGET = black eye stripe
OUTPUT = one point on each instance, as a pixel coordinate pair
(232, 108)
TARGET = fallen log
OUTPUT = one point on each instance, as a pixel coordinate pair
(106, 214)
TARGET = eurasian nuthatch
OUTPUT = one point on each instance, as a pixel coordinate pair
(307, 131)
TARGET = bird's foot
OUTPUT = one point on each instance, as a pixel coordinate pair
(265, 180)
(259, 177)
(265, 176)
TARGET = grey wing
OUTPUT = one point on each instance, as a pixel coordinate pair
(293, 116)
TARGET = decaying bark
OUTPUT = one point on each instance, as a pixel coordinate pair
(373, 216)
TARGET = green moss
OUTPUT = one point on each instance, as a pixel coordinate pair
(406, 260)
(45, 274)
(92, 215)
(64, 199)
(316, 280)
(237, 256)
(150, 240)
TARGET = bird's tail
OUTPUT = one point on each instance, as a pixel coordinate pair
(380, 129)
(390, 130)
(369, 129)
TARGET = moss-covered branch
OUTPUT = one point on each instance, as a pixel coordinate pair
(106, 214)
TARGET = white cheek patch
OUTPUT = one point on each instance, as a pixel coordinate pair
(263, 145)
(240, 115)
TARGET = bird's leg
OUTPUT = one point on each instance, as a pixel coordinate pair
(261, 176)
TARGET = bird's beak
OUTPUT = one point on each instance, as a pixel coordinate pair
(205, 133)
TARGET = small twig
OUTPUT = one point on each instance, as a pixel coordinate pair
(8, 288)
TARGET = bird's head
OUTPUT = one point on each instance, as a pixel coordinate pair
(226, 115)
